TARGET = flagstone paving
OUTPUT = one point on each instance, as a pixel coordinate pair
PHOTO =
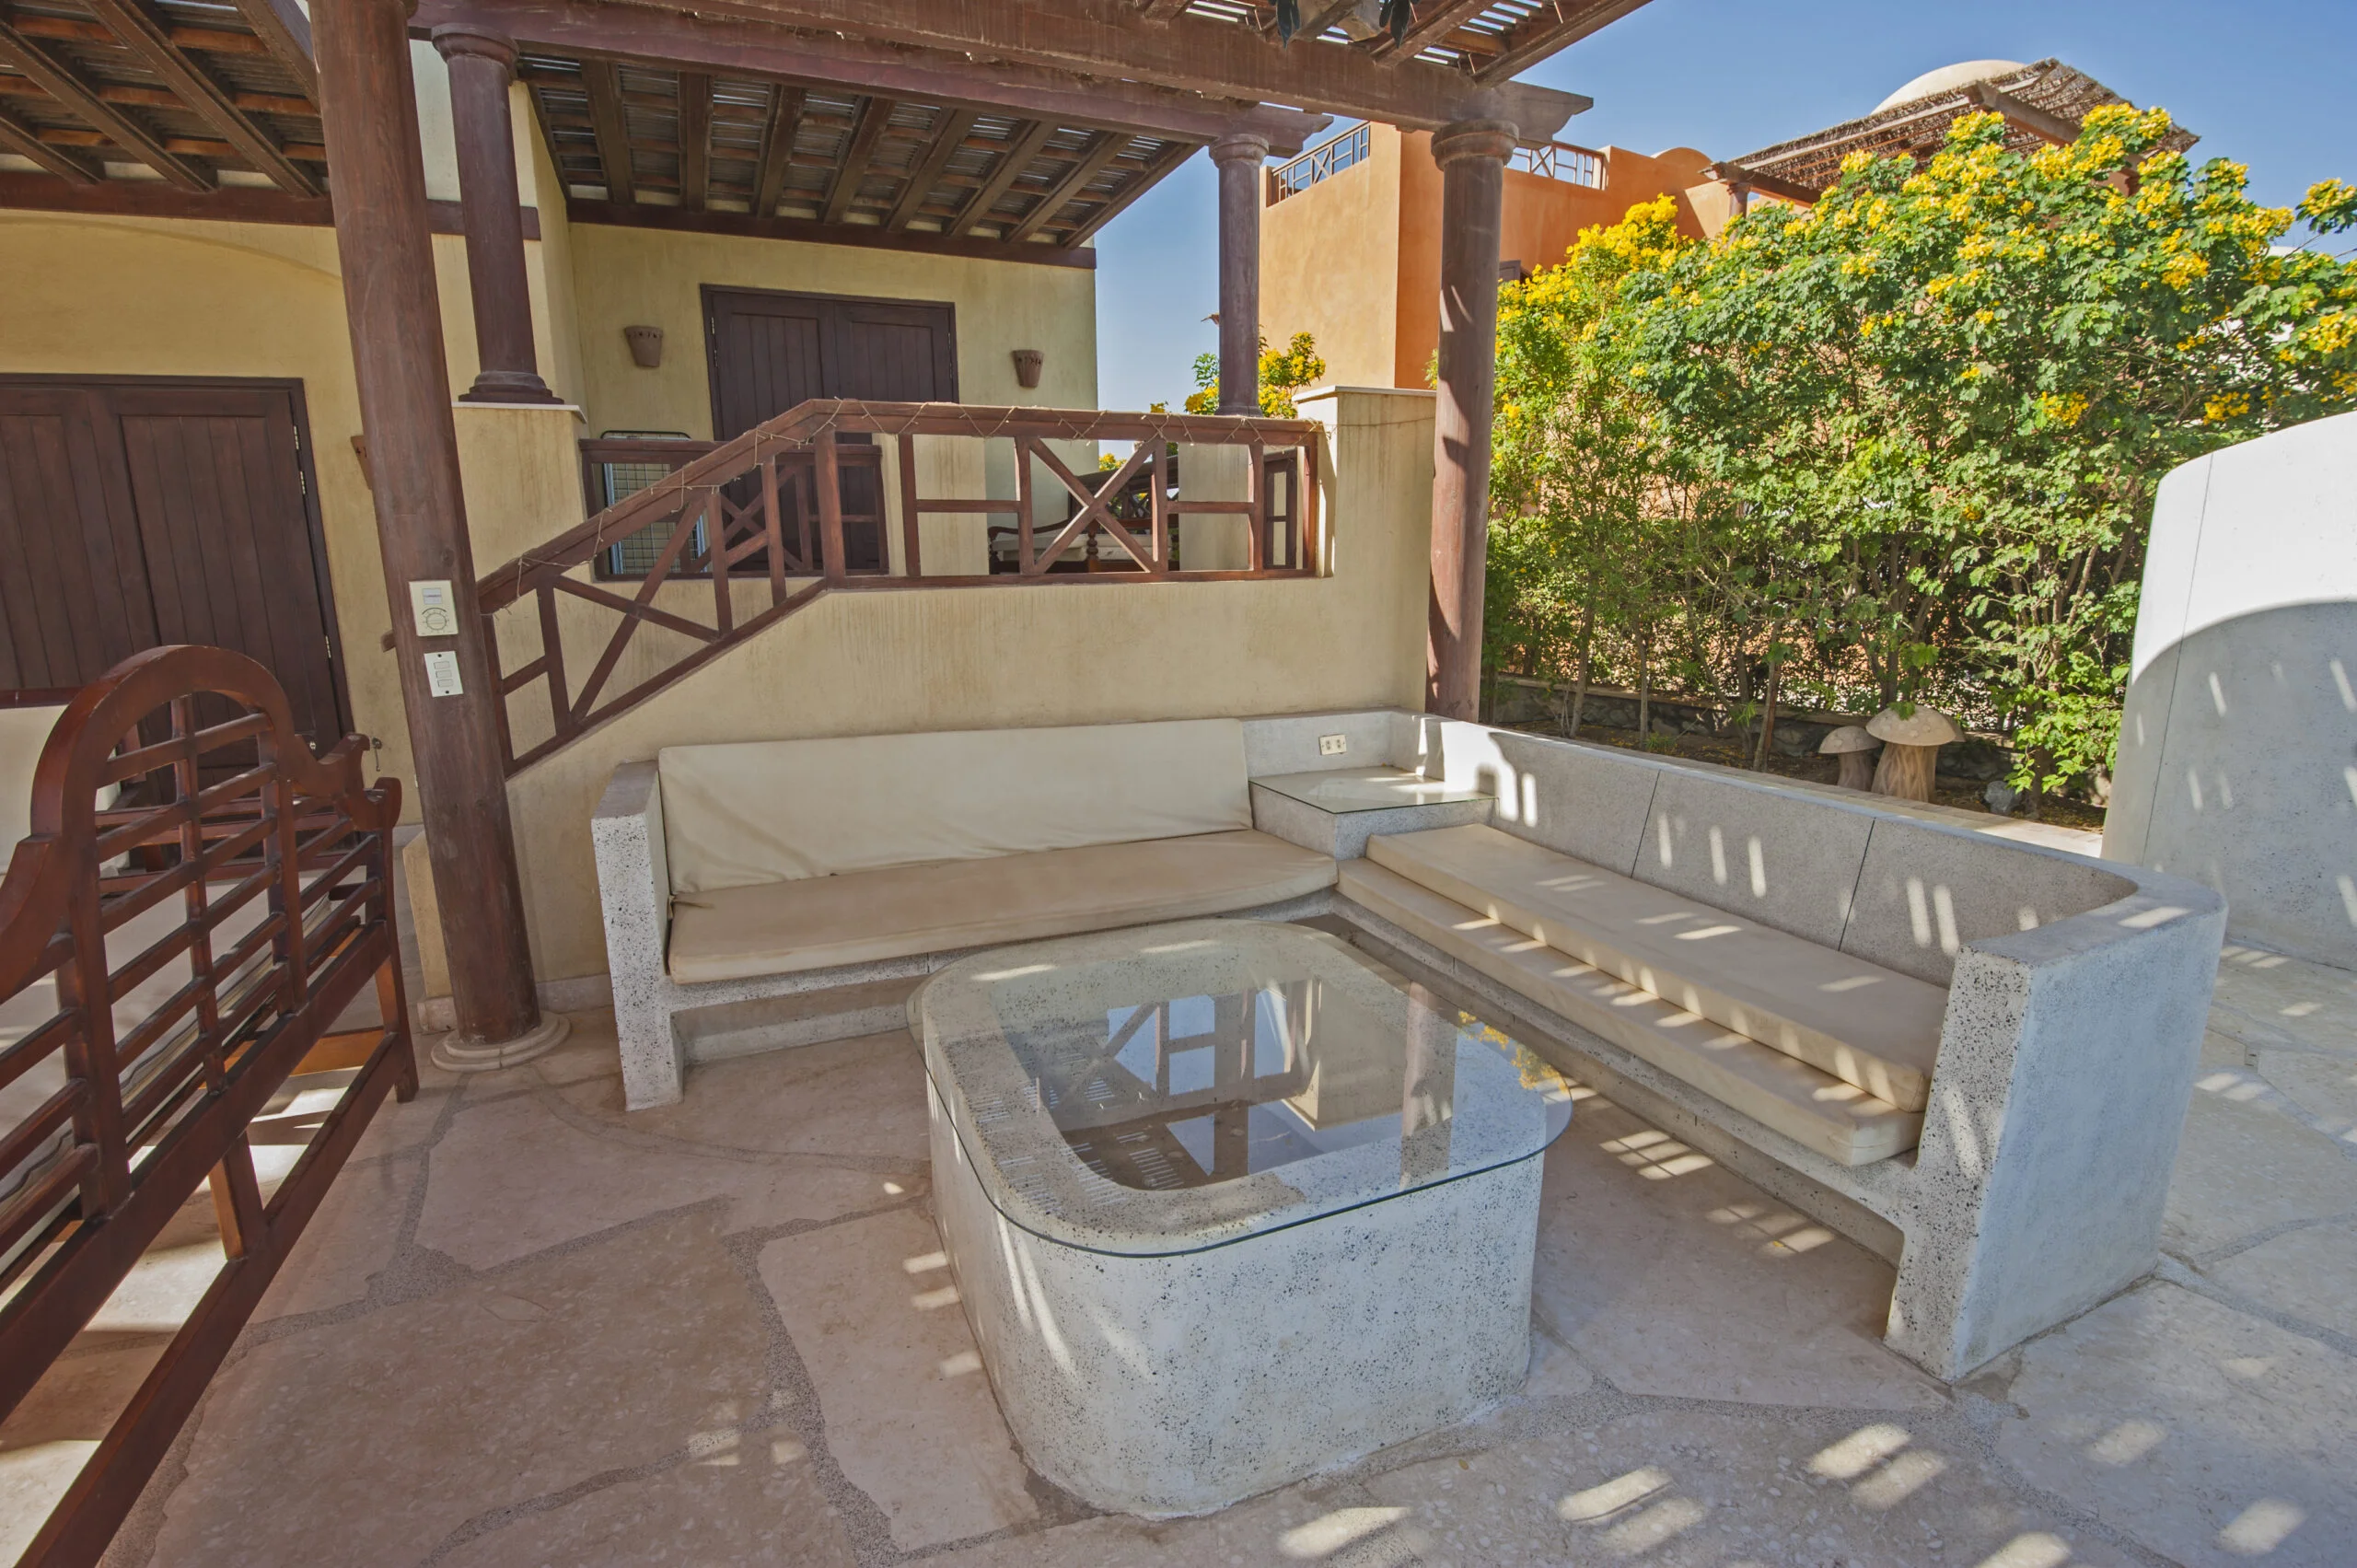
(529, 1329)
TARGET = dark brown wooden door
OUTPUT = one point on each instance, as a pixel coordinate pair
(138, 513)
(771, 351)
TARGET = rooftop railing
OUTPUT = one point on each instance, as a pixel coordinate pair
(1562, 160)
(1321, 162)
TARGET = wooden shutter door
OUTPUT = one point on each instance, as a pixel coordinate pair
(73, 594)
(768, 353)
(215, 481)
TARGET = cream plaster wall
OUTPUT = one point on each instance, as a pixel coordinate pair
(1354, 261)
(1329, 265)
(641, 276)
(1068, 652)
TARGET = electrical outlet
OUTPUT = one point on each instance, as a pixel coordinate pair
(1332, 744)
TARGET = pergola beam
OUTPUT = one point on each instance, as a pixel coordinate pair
(1170, 158)
(695, 140)
(1541, 36)
(745, 47)
(875, 113)
(2026, 116)
(1736, 174)
(1023, 145)
(286, 31)
(1433, 23)
(1108, 146)
(777, 149)
(1130, 67)
(602, 80)
(204, 97)
(76, 98)
(947, 133)
(23, 140)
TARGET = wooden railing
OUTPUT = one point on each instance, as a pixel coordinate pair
(1562, 160)
(166, 963)
(825, 498)
(1321, 162)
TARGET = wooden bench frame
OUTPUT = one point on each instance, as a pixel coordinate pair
(150, 1113)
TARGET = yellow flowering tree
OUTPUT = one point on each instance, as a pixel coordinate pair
(1283, 372)
(1947, 393)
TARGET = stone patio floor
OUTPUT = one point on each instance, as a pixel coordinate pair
(526, 1330)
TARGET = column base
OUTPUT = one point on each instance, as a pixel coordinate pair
(509, 386)
(453, 1054)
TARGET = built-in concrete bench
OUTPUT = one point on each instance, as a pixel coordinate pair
(838, 871)
(1970, 1055)
(1832, 1051)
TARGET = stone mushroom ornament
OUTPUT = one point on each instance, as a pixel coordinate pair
(1856, 749)
(1910, 750)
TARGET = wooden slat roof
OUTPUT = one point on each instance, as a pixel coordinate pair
(1001, 177)
(1918, 127)
(73, 82)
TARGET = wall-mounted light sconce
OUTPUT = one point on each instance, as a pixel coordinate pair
(1026, 368)
(645, 346)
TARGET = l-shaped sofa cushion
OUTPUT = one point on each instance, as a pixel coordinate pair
(739, 814)
(1864, 1023)
(784, 927)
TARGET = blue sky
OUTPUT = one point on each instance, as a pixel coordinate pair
(2265, 82)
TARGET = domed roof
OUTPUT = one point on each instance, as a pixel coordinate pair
(1947, 78)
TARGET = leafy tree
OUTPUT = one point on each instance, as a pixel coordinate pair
(1927, 415)
(1282, 373)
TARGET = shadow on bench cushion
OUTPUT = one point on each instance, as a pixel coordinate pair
(819, 921)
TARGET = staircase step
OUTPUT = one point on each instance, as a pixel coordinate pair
(1864, 1023)
(1815, 1109)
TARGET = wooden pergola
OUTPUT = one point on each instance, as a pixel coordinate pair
(1011, 129)
(2042, 105)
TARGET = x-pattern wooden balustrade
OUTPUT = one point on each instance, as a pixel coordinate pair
(276, 865)
(771, 505)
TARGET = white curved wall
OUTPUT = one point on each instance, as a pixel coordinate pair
(2238, 747)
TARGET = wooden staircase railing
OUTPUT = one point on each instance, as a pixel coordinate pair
(760, 526)
(136, 1050)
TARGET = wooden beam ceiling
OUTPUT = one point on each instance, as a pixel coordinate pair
(286, 31)
(195, 87)
(23, 140)
(948, 132)
(1170, 158)
(602, 80)
(777, 147)
(1060, 194)
(874, 114)
(704, 41)
(1192, 53)
(695, 140)
(1022, 144)
(78, 98)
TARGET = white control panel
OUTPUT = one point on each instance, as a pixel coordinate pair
(442, 674)
(434, 608)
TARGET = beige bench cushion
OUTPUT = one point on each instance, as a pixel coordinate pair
(1864, 1023)
(1813, 1109)
(771, 811)
(817, 923)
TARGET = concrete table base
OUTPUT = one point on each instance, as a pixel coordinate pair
(1227, 1205)
(1181, 1384)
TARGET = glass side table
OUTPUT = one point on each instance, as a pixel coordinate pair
(1228, 1205)
(1335, 813)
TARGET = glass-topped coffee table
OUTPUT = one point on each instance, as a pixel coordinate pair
(1227, 1204)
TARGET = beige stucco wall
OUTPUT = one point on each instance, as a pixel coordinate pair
(1354, 259)
(964, 658)
(625, 277)
(1329, 265)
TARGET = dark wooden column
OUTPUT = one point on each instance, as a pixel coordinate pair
(1472, 157)
(369, 112)
(482, 64)
(1239, 155)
